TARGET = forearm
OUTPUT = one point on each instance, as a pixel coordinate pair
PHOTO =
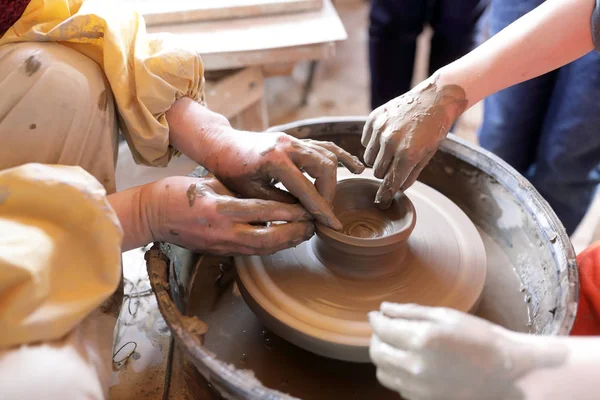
(129, 207)
(193, 128)
(575, 379)
(552, 35)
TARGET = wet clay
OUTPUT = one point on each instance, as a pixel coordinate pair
(191, 194)
(323, 308)
(504, 300)
(364, 224)
(353, 206)
(369, 236)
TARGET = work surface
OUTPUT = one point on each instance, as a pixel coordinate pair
(157, 12)
(243, 42)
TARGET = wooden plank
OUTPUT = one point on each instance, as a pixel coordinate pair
(255, 118)
(236, 93)
(278, 69)
(159, 12)
(260, 33)
(221, 61)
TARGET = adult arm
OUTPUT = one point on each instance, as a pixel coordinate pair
(147, 73)
(157, 80)
(402, 135)
(249, 162)
(202, 215)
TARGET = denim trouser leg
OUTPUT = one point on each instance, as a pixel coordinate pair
(548, 128)
(393, 31)
(566, 171)
(513, 117)
(454, 24)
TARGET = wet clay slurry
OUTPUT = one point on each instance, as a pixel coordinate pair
(323, 308)
(361, 218)
(363, 224)
(504, 301)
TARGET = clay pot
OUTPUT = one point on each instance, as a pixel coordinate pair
(372, 241)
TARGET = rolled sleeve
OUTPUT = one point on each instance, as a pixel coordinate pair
(60, 251)
(147, 73)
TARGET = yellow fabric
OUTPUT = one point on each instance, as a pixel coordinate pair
(60, 251)
(147, 73)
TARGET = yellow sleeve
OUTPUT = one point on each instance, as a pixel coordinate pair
(60, 251)
(146, 73)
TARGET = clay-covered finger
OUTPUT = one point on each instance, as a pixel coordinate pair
(297, 184)
(255, 210)
(367, 130)
(415, 312)
(372, 149)
(352, 163)
(374, 145)
(323, 168)
(414, 174)
(274, 238)
(385, 157)
(395, 177)
(387, 357)
(403, 334)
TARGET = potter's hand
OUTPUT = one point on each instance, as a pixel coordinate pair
(202, 215)
(429, 353)
(402, 135)
(248, 163)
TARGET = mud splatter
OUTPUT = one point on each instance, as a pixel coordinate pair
(191, 194)
(203, 221)
(32, 65)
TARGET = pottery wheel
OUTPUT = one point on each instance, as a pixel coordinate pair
(325, 312)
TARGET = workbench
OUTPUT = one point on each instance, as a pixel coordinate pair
(240, 53)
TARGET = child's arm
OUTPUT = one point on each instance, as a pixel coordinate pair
(554, 34)
(402, 135)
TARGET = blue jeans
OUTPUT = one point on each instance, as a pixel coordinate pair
(548, 128)
(393, 31)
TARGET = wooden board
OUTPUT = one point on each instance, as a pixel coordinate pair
(159, 12)
(263, 40)
(232, 95)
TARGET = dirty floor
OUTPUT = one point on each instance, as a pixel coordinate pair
(340, 89)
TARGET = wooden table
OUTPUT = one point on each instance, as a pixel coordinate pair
(158, 12)
(252, 49)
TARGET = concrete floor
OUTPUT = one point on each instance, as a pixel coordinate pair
(340, 89)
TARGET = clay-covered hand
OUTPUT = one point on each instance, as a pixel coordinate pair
(202, 215)
(402, 135)
(427, 353)
(251, 163)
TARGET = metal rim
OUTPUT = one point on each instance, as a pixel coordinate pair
(234, 384)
